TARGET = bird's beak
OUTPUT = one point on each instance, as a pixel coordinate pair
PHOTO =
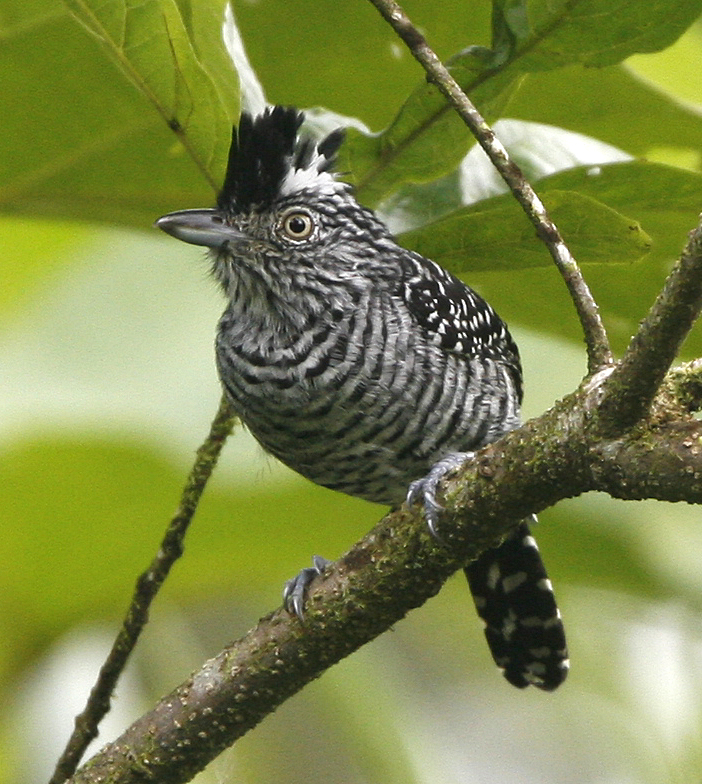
(199, 227)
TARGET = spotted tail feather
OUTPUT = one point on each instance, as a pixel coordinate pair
(514, 598)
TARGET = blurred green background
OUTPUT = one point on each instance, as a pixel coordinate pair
(107, 387)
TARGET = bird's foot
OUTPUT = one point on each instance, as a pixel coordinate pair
(424, 489)
(296, 587)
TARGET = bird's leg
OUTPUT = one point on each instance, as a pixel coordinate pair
(424, 489)
(296, 587)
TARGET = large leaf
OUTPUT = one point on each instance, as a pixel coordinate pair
(78, 140)
(421, 144)
(597, 32)
(173, 65)
(495, 234)
(666, 202)
(602, 103)
(664, 199)
(427, 139)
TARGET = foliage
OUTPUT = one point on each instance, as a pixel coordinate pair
(107, 349)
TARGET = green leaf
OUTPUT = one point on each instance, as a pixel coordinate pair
(427, 139)
(665, 200)
(602, 103)
(168, 62)
(495, 234)
(674, 70)
(600, 32)
(423, 143)
(83, 143)
(510, 26)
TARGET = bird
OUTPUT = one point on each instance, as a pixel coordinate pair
(362, 365)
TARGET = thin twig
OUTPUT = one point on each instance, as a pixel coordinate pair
(147, 586)
(598, 350)
(636, 379)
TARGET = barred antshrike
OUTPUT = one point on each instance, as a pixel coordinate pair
(364, 366)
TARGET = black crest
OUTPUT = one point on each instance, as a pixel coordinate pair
(264, 149)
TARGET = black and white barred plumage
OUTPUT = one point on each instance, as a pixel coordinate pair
(363, 366)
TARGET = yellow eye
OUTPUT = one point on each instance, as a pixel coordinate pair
(298, 225)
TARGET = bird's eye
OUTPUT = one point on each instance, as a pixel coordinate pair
(297, 225)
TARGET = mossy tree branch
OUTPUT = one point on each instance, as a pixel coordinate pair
(397, 567)
(684, 384)
(637, 378)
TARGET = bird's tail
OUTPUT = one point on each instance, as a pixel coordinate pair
(515, 600)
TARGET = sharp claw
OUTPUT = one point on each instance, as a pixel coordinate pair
(432, 511)
(413, 492)
(298, 606)
(296, 587)
(425, 489)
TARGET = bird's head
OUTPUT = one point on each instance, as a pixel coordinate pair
(282, 216)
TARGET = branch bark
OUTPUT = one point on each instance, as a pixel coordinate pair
(397, 567)
(638, 376)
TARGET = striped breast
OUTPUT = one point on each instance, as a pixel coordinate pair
(363, 401)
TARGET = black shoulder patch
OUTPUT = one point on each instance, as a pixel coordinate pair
(460, 318)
